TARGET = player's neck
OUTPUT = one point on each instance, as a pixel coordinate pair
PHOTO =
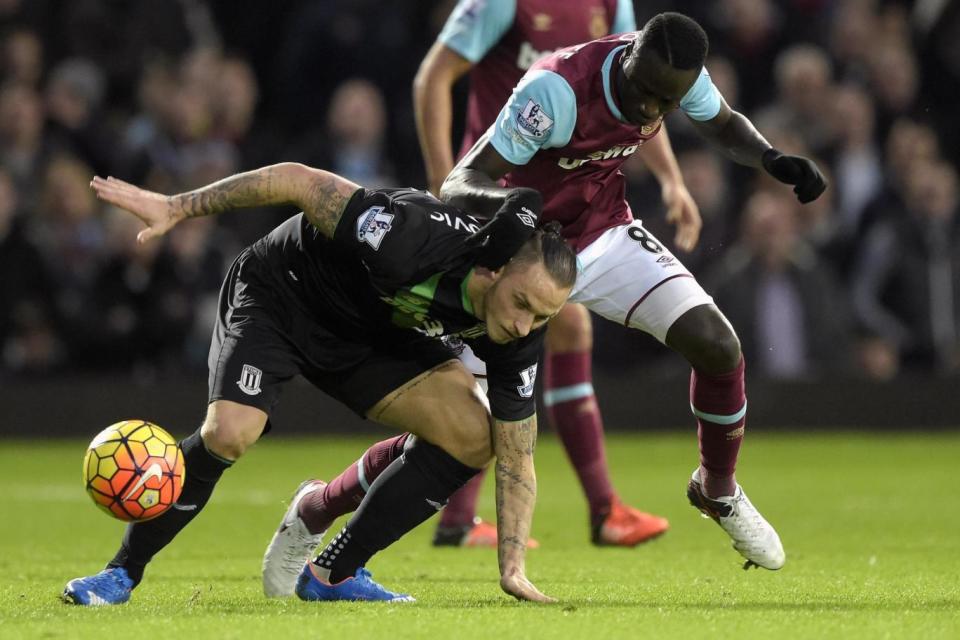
(616, 82)
(478, 281)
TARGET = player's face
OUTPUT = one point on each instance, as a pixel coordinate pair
(522, 299)
(652, 88)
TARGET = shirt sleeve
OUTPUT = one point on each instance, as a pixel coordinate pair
(702, 102)
(624, 19)
(475, 26)
(540, 114)
(511, 374)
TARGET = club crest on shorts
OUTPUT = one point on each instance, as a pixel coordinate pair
(249, 381)
(372, 225)
(529, 377)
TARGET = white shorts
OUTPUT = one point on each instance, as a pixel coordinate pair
(628, 276)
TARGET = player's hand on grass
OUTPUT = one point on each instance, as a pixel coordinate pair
(683, 212)
(155, 210)
(516, 584)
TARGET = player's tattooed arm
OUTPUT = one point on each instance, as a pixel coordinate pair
(321, 195)
(513, 446)
(472, 185)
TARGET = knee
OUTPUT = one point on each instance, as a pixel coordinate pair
(465, 429)
(470, 443)
(705, 338)
(722, 354)
(570, 331)
(230, 428)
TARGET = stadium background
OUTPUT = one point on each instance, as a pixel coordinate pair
(848, 309)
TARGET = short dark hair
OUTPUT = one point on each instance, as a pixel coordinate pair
(677, 39)
(546, 245)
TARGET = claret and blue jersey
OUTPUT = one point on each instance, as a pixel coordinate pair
(564, 129)
(504, 38)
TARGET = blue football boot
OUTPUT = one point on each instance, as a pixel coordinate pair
(361, 587)
(110, 586)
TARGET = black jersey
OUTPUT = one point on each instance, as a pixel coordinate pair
(396, 270)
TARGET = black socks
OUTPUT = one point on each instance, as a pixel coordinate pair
(143, 540)
(414, 487)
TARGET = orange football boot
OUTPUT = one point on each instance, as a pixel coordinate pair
(478, 534)
(625, 526)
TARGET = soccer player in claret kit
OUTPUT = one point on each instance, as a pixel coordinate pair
(567, 128)
(355, 294)
(565, 131)
(497, 41)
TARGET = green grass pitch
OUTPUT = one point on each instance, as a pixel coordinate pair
(871, 525)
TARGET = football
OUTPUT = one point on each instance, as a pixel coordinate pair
(133, 470)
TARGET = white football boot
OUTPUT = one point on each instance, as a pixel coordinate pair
(752, 536)
(291, 546)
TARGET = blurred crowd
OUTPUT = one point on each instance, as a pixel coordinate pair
(172, 95)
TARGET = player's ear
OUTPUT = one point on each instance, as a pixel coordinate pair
(488, 274)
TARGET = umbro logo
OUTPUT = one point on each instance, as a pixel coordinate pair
(527, 217)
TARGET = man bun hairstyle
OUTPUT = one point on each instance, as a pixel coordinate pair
(677, 39)
(548, 246)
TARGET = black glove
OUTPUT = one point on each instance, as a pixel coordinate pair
(801, 172)
(513, 224)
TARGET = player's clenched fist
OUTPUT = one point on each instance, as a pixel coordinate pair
(801, 172)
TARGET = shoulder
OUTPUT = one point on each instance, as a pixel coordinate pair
(541, 113)
(399, 234)
(475, 26)
(702, 102)
(547, 88)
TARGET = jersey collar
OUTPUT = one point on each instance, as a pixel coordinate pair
(607, 89)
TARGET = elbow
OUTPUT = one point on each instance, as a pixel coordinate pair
(429, 81)
(303, 176)
(419, 87)
(450, 188)
(294, 170)
(421, 83)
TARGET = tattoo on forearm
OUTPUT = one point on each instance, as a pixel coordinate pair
(206, 202)
(513, 541)
(516, 486)
(325, 201)
(247, 189)
(322, 195)
(517, 481)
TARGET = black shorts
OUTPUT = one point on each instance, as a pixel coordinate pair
(262, 339)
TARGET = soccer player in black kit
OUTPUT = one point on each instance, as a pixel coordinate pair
(355, 294)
